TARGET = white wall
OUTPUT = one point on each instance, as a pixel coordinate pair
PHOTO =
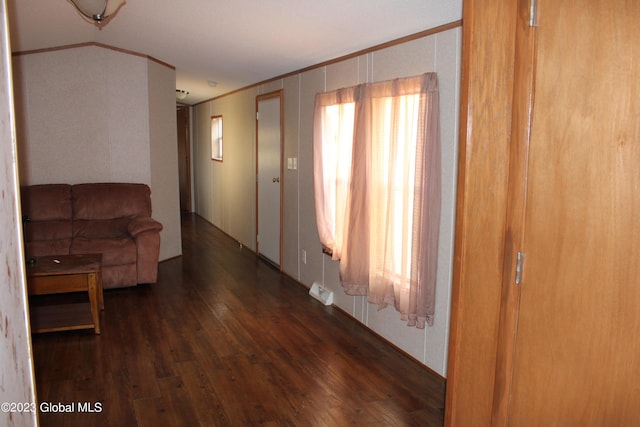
(225, 192)
(83, 116)
(92, 114)
(16, 361)
(163, 150)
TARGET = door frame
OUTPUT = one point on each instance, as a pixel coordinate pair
(522, 117)
(484, 218)
(263, 97)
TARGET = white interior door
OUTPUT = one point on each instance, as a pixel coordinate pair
(269, 179)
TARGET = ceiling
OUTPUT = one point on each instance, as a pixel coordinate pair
(233, 43)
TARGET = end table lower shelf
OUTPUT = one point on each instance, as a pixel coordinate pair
(61, 317)
(66, 274)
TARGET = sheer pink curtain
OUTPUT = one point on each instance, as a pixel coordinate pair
(332, 153)
(388, 239)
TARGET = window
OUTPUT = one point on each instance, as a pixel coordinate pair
(216, 138)
(337, 130)
(377, 190)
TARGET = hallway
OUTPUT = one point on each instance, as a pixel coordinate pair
(224, 339)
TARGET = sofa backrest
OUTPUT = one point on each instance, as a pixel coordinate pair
(110, 201)
(47, 213)
(47, 202)
(58, 213)
(104, 210)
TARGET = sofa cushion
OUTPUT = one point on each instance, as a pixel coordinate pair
(48, 227)
(110, 200)
(118, 251)
(47, 202)
(101, 228)
(48, 247)
(47, 230)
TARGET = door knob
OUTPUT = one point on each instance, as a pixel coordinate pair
(276, 179)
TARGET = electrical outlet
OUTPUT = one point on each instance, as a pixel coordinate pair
(304, 256)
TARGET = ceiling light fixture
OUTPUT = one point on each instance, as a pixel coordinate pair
(181, 94)
(97, 11)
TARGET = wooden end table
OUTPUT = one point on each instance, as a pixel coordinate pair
(60, 274)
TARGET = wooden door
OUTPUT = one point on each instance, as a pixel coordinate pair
(577, 346)
(269, 167)
(184, 158)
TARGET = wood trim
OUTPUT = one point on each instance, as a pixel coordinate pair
(483, 171)
(410, 37)
(430, 371)
(88, 44)
(375, 48)
(524, 78)
(282, 176)
(374, 333)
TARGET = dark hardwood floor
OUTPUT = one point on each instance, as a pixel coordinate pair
(223, 339)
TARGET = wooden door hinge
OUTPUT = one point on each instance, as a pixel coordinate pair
(533, 13)
(519, 267)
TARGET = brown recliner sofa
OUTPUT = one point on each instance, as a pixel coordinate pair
(113, 219)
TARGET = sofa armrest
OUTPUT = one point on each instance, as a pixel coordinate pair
(146, 232)
(142, 224)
